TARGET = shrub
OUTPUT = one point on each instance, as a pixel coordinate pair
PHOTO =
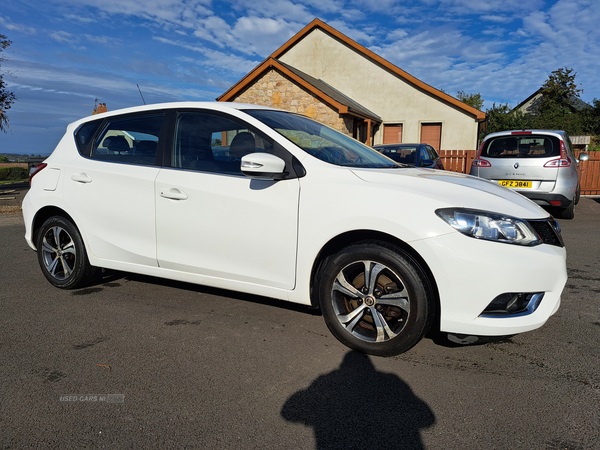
(13, 173)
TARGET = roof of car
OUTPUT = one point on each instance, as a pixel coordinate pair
(524, 132)
(399, 145)
(218, 106)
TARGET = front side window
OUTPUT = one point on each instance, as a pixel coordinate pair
(213, 143)
(522, 146)
(130, 140)
(432, 153)
(321, 141)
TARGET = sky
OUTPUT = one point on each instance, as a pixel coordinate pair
(66, 54)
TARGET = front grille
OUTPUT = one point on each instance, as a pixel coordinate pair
(549, 231)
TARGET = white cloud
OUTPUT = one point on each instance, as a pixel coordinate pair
(63, 36)
(79, 18)
(163, 12)
(488, 7)
(280, 10)
(360, 36)
(6, 23)
(494, 31)
(214, 58)
(496, 19)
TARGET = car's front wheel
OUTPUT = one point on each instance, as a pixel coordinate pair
(375, 298)
(62, 256)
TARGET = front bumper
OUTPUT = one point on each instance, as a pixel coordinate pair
(470, 273)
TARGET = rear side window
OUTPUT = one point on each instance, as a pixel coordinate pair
(522, 146)
(129, 140)
(84, 136)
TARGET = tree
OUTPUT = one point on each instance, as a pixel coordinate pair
(559, 91)
(6, 97)
(559, 103)
(503, 117)
(560, 108)
(473, 100)
(590, 118)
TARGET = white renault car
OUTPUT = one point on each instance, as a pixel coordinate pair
(272, 203)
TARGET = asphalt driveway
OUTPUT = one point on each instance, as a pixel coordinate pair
(138, 362)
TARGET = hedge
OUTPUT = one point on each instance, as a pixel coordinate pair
(13, 173)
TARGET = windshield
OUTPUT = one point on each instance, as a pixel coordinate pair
(321, 141)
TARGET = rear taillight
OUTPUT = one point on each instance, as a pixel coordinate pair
(35, 170)
(481, 163)
(478, 162)
(563, 161)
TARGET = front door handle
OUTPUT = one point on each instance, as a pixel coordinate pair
(81, 178)
(173, 194)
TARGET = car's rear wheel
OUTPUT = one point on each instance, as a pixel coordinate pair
(62, 256)
(375, 298)
(567, 213)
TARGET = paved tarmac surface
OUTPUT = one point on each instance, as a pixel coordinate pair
(136, 362)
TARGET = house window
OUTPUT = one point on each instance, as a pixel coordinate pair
(431, 133)
(392, 133)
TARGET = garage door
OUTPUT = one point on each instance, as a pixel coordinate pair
(392, 134)
(431, 133)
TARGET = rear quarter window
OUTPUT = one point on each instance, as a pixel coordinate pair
(85, 135)
(522, 146)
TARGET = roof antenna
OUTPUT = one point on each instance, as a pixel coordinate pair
(141, 93)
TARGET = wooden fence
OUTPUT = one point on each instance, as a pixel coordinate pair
(457, 160)
(589, 176)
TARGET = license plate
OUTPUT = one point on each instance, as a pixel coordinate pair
(515, 184)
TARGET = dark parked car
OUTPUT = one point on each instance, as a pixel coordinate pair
(419, 155)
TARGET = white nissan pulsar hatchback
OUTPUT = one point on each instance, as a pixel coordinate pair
(271, 203)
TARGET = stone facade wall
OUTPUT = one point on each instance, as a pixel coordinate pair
(275, 90)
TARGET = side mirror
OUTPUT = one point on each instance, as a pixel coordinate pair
(263, 165)
(426, 163)
(584, 157)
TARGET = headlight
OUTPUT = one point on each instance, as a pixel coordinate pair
(490, 226)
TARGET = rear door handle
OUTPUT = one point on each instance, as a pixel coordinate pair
(81, 178)
(173, 194)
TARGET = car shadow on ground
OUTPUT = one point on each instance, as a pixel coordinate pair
(110, 277)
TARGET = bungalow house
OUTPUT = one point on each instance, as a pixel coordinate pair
(531, 104)
(324, 74)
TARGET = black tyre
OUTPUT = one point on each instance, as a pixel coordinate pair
(62, 255)
(375, 298)
(567, 213)
(578, 195)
